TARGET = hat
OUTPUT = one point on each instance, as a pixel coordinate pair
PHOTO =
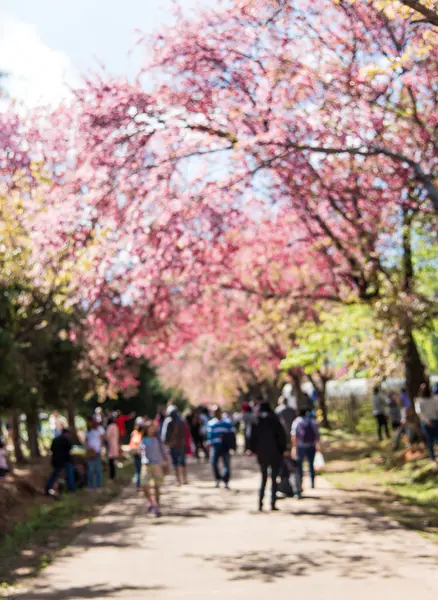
(139, 421)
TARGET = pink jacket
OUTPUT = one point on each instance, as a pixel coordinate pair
(113, 438)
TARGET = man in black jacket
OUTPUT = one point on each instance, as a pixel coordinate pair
(268, 442)
(62, 461)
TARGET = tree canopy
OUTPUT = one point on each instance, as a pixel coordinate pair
(277, 175)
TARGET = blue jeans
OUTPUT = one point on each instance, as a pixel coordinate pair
(137, 467)
(306, 452)
(219, 452)
(69, 475)
(431, 435)
(94, 473)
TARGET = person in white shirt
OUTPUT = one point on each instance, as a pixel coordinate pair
(426, 406)
(291, 398)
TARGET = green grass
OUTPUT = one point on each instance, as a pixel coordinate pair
(43, 519)
(408, 493)
(47, 527)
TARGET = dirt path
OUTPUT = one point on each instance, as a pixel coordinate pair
(212, 544)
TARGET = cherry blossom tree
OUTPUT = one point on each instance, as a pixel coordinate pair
(420, 12)
(313, 116)
(283, 154)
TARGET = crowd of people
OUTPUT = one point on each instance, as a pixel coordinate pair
(103, 437)
(397, 410)
(282, 440)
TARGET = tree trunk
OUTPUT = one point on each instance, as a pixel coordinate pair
(301, 400)
(256, 391)
(32, 422)
(323, 406)
(415, 371)
(321, 390)
(71, 417)
(273, 392)
(71, 414)
(408, 268)
(18, 451)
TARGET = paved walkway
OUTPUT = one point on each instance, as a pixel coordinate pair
(212, 544)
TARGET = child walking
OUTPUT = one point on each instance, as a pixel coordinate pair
(155, 462)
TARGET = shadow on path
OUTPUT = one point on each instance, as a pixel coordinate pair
(200, 500)
(354, 516)
(269, 566)
(85, 592)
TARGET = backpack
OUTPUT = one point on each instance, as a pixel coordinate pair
(307, 432)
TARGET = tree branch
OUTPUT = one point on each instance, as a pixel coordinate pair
(430, 15)
(426, 180)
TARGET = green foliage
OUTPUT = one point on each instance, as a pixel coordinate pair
(38, 358)
(427, 340)
(425, 263)
(368, 340)
(425, 256)
(332, 341)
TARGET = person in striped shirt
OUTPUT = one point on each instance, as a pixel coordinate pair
(221, 438)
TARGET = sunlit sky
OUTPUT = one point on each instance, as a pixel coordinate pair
(46, 44)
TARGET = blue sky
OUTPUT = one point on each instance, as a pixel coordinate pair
(46, 44)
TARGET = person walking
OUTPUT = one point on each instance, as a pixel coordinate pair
(113, 439)
(204, 417)
(394, 411)
(173, 435)
(135, 448)
(426, 406)
(286, 415)
(379, 412)
(160, 417)
(290, 394)
(61, 461)
(94, 440)
(406, 403)
(121, 421)
(188, 437)
(268, 441)
(155, 463)
(305, 443)
(197, 437)
(407, 421)
(248, 419)
(99, 416)
(221, 438)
